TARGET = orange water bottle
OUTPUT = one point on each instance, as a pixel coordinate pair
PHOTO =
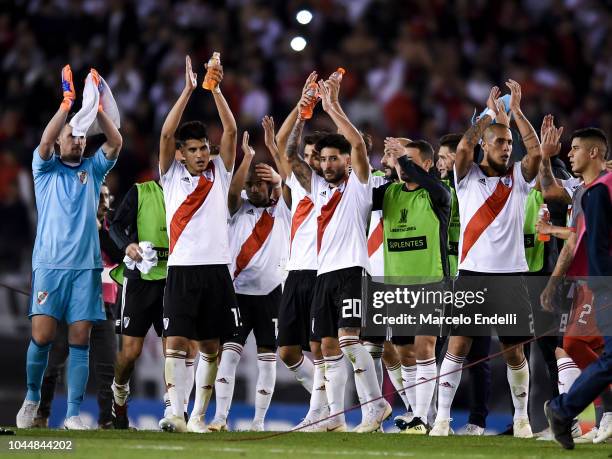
(338, 74)
(307, 110)
(544, 216)
(208, 82)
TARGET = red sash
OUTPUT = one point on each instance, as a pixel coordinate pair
(254, 242)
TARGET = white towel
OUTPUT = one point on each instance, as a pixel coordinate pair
(149, 258)
(84, 121)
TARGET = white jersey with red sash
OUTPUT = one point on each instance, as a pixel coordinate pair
(197, 215)
(303, 234)
(342, 217)
(259, 241)
(492, 214)
(375, 235)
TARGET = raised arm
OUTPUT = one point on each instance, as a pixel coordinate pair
(285, 130)
(114, 141)
(279, 160)
(531, 161)
(267, 173)
(227, 147)
(550, 187)
(359, 154)
(299, 167)
(167, 142)
(234, 200)
(563, 263)
(55, 125)
(465, 150)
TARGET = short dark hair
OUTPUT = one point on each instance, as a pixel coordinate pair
(367, 139)
(190, 130)
(312, 139)
(592, 133)
(425, 149)
(451, 141)
(334, 141)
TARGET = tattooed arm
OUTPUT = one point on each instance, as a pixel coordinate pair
(550, 187)
(299, 167)
(531, 161)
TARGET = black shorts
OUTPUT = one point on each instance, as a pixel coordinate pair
(337, 301)
(294, 312)
(198, 303)
(504, 294)
(142, 305)
(259, 314)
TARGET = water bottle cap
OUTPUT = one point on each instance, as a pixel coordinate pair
(341, 71)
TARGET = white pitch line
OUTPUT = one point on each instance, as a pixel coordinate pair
(160, 447)
(316, 452)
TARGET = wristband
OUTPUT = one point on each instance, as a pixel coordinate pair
(491, 113)
(217, 90)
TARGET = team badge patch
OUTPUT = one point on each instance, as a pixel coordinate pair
(507, 181)
(166, 322)
(126, 322)
(82, 175)
(41, 297)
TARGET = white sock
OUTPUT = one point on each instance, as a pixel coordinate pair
(335, 383)
(176, 375)
(395, 375)
(204, 381)
(189, 364)
(304, 373)
(568, 373)
(409, 379)
(363, 367)
(518, 378)
(167, 406)
(448, 383)
(266, 379)
(318, 396)
(376, 351)
(426, 385)
(226, 375)
(120, 392)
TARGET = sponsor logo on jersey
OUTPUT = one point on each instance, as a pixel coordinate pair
(323, 193)
(186, 179)
(166, 322)
(403, 216)
(529, 240)
(407, 244)
(482, 181)
(126, 322)
(82, 175)
(41, 297)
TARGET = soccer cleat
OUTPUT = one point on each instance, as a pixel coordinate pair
(587, 437)
(336, 424)
(26, 415)
(472, 429)
(375, 416)
(173, 424)
(561, 428)
(257, 426)
(75, 423)
(119, 415)
(217, 425)
(441, 428)
(197, 424)
(605, 428)
(416, 427)
(403, 420)
(522, 428)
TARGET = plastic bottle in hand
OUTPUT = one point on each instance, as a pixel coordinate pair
(208, 82)
(307, 110)
(338, 74)
(544, 216)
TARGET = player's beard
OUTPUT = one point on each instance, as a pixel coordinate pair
(336, 177)
(500, 168)
(391, 174)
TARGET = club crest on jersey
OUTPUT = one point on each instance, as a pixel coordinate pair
(126, 322)
(82, 175)
(250, 212)
(209, 175)
(507, 181)
(166, 322)
(41, 297)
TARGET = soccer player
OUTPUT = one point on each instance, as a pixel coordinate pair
(141, 216)
(492, 198)
(417, 209)
(199, 292)
(342, 202)
(66, 260)
(259, 240)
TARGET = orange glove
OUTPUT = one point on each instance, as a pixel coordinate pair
(97, 81)
(68, 89)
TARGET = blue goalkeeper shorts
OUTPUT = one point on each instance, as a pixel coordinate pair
(67, 294)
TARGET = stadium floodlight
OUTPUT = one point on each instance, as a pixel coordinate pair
(298, 44)
(303, 17)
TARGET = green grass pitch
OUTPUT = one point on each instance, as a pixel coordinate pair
(152, 445)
